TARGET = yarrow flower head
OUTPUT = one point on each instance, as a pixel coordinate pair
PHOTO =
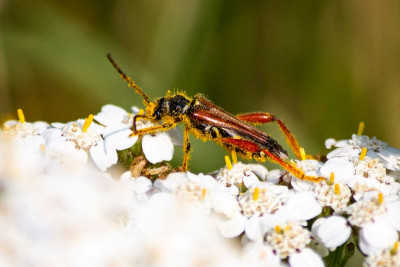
(290, 240)
(28, 134)
(239, 175)
(375, 148)
(389, 257)
(86, 137)
(331, 194)
(378, 219)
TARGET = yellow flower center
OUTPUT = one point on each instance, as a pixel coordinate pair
(203, 193)
(361, 127)
(337, 189)
(21, 116)
(87, 123)
(234, 156)
(256, 193)
(331, 178)
(228, 162)
(302, 154)
(363, 153)
(395, 248)
(380, 198)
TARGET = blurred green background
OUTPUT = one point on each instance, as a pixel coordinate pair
(321, 66)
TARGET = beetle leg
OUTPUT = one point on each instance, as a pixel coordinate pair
(252, 147)
(242, 144)
(137, 116)
(155, 129)
(293, 169)
(259, 117)
(186, 150)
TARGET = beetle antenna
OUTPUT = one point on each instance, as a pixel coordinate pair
(131, 83)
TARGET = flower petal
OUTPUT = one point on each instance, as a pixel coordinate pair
(332, 231)
(53, 135)
(103, 155)
(111, 114)
(303, 206)
(176, 136)
(377, 235)
(307, 257)
(172, 181)
(137, 185)
(231, 228)
(254, 228)
(157, 148)
(393, 214)
(250, 180)
(119, 136)
(205, 180)
(341, 167)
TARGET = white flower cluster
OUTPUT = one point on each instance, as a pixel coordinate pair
(85, 217)
(73, 141)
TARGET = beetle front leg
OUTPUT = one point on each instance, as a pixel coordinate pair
(261, 118)
(138, 116)
(154, 129)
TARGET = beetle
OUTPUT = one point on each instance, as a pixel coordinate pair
(207, 121)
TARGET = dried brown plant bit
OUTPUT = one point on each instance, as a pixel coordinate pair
(137, 166)
(161, 172)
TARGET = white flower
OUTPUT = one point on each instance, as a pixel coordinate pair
(118, 126)
(258, 204)
(85, 136)
(332, 231)
(158, 148)
(376, 149)
(274, 176)
(191, 188)
(290, 240)
(19, 129)
(259, 254)
(50, 218)
(342, 168)
(26, 133)
(307, 257)
(378, 219)
(241, 175)
(371, 176)
(299, 207)
(309, 167)
(171, 233)
(336, 195)
(384, 258)
(139, 186)
(390, 157)
(266, 205)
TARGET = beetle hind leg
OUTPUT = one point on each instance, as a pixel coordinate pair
(293, 169)
(255, 149)
(261, 118)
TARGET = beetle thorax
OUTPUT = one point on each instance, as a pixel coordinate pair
(174, 106)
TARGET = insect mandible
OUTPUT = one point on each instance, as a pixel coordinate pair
(207, 121)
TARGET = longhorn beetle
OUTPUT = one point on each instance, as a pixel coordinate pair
(209, 122)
